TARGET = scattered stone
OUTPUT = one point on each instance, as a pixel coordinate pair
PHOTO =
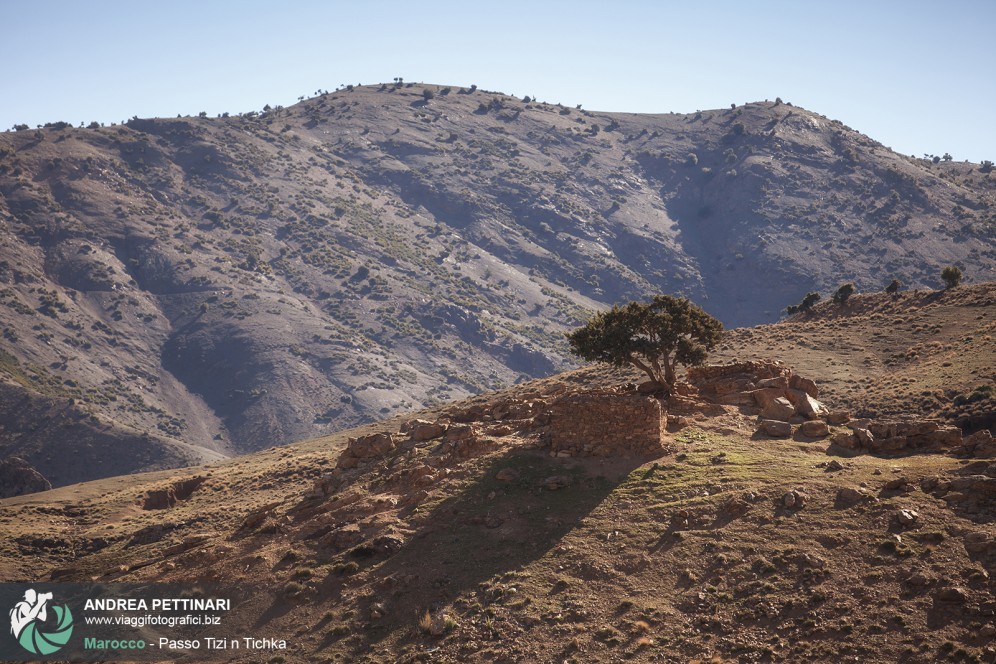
(794, 500)
(906, 517)
(506, 475)
(952, 595)
(776, 428)
(851, 496)
(815, 429)
(779, 409)
(556, 482)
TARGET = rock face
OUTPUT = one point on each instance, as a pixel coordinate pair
(18, 477)
(603, 425)
(980, 445)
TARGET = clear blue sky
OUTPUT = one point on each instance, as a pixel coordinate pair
(917, 76)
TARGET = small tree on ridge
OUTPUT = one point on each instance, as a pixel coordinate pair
(654, 337)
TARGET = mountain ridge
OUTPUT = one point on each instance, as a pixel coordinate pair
(241, 281)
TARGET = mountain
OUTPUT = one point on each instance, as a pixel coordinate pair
(184, 289)
(469, 537)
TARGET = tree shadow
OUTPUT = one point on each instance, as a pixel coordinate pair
(489, 528)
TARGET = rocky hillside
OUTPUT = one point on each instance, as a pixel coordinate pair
(754, 516)
(210, 286)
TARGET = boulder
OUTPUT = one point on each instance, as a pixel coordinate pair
(779, 383)
(374, 445)
(806, 405)
(838, 417)
(846, 440)
(423, 430)
(805, 385)
(779, 409)
(460, 432)
(953, 595)
(766, 395)
(851, 496)
(776, 428)
(906, 517)
(815, 429)
(864, 437)
(947, 436)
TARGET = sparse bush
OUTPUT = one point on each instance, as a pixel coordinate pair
(893, 287)
(654, 337)
(986, 166)
(428, 94)
(951, 276)
(844, 292)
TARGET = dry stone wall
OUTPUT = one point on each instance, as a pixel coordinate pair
(604, 425)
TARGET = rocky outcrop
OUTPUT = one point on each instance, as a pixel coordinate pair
(18, 477)
(365, 448)
(880, 436)
(979, 445)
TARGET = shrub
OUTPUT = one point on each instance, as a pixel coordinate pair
(951, 276)
(987, 166)
(893, 287)
(654, 337)
(844, 292)
(427, 94)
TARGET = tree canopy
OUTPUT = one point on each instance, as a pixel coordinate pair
(654, 337)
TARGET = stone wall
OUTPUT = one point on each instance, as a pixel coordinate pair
(604, 425)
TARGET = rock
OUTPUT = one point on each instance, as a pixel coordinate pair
(377, 611)
(864, 437)
(374, 445)
(776, 428)
(506, 475)
(846, 440)
(779, 383)
(815, 429)
(18, 477)
(952, 595)
(899, 484)
(838, 417)
(906, 517)
(987, 631)
(423, 430)
(851, 496)
(805, 385)
(794, 500)
(806, 405)
(556, 482)
(779, 409)
(947, 436)
(834, 466)
(765, 396)
(326, 485)
(460, 432)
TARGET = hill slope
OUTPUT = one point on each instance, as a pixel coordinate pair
(234, 282)
(517, 555)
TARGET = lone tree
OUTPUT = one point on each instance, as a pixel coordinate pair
(951, 276)
(654, 337)
(844, 292)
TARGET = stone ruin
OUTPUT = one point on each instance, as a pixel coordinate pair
(606, 425)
